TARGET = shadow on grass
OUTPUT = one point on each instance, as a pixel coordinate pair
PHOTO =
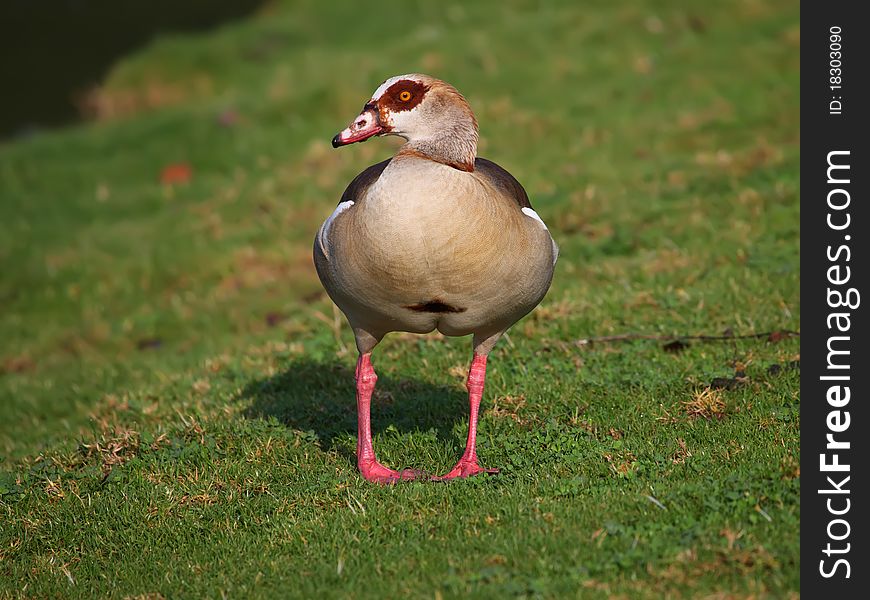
(54, 66)
(320, 397)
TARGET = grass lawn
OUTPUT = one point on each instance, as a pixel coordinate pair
(178, 415)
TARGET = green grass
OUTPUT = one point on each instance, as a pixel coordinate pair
(176, 390)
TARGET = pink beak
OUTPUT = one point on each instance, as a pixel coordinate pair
(363, 127)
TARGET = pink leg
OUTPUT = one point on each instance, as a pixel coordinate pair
(467, 465)
(368, 465)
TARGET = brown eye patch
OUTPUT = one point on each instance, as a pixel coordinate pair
(403, 95)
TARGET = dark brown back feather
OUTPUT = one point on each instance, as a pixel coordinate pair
(502, 180)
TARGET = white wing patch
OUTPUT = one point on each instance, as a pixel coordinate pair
(323, 234)
(529, 212)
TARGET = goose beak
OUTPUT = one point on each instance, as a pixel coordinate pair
(366, 125)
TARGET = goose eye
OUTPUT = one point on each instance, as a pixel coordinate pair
(405, 95)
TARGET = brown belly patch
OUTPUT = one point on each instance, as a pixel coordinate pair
(434, 306)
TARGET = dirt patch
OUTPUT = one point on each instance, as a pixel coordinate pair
(681, 454)
(706, 404)
(508, 407)
(622, 463)
(252, 269)
(102, 103)
(17, 364)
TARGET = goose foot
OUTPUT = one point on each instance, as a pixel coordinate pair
(377, 473)
(465, 468)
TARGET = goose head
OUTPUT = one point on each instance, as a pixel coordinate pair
(431, 115)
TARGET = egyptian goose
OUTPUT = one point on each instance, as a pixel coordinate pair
(433, 238)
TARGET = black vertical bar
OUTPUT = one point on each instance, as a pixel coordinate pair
(834, 227)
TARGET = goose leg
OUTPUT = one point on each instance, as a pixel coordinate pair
(467, 465)
(368, 464)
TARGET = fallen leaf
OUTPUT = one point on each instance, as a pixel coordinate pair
(176, 173)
